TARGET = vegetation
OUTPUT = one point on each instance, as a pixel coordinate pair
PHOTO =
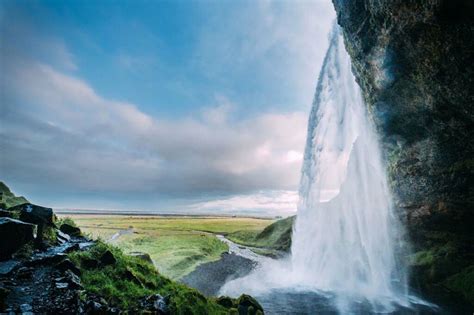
(463, 283)
(274, 236)
(129, 279)
(177, 245)
(8, 199)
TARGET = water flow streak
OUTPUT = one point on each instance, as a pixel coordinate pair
(346, 238)
(347, 244)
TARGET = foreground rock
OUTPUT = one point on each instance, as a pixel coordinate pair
(70, 230)
(35, 214)
(13, 235)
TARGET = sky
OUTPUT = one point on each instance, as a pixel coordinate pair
(167, 106)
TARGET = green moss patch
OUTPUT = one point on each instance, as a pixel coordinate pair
(275, 236)
(463, 283)
(129, 279)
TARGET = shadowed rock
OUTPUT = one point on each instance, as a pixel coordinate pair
(13, 235)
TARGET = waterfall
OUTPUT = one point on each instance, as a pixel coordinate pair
(346, 236)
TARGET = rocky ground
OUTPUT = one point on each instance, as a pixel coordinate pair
(210, 277)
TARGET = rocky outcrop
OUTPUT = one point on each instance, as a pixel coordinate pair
(70, 229)
(13, 235)
(8, 199)
(35, 214)
(413, 62)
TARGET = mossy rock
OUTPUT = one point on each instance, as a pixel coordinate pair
(463, 283)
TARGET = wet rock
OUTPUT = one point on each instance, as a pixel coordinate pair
(67, 264)
(225, 301)
(89, 263)
(62, 237)
(35, 214)
(73, 280)
(248, 305)
(156, 303)
(46, 259)
(13, 235)
(70, 230)
(62, 285)
(143, 256)
(73, 248)
(24, 273)
(107, 258)
(6, 267)
(25, 308)
(5, 214)
(94, 307)
(3, 295)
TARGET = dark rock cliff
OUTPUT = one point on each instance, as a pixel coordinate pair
(414, 63)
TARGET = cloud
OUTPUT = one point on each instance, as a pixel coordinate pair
(59, 132)
(266, 203)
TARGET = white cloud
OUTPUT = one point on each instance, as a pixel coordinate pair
(84, 140)
(274, 203)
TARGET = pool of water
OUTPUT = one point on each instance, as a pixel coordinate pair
(284, 301)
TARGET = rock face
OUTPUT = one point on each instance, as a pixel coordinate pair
(413, 61)
(35, 214)
(13, 235)
(70, 230)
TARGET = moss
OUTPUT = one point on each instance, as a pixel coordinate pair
(66, 220)
(275, 236)
(8, 198)
(422, 258)
(463, 283)
(125, 293)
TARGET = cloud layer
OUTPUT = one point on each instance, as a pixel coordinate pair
(58, 131)
(62, 140)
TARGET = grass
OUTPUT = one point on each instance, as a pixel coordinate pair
(177, 245)
(274, 236)
(463, 283)
(112, 283)
(8, 199)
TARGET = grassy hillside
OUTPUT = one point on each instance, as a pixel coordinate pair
(8, 199)
(275, 236)
(129, 279)
(177, 245)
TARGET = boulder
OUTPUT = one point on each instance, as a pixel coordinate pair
(73, 280)
(156, 303)
(248, 305)
(107, 258)
(225, 301)
(143, 256)
(67, 264)
(35, 214)
(13, 235)
(70, 230)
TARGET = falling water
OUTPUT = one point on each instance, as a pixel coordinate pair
(346, 237)
(346, 240)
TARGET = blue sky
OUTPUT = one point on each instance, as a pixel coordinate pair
(158, 105)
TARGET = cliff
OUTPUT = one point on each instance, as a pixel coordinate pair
(413, 62)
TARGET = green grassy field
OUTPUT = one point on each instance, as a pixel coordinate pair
(177, 245)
